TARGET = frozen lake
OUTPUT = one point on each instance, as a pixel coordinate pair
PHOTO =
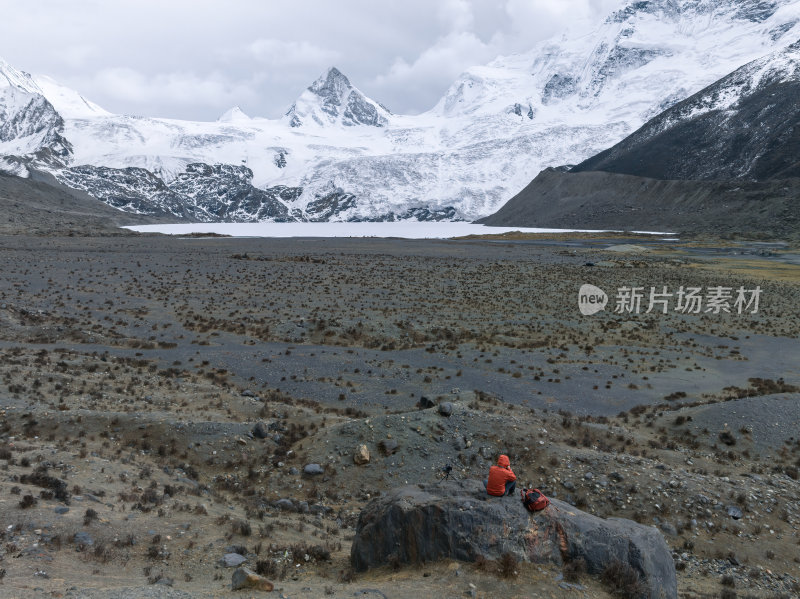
(404, 230)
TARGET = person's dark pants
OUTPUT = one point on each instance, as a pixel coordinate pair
(511, 486)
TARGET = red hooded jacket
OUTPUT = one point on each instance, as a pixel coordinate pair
(499, 475)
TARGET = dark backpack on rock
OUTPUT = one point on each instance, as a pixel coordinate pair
(534, 500)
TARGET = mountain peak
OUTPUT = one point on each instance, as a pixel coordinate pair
(11, 77)
(331, 82)
(331, 100)
(233, 114)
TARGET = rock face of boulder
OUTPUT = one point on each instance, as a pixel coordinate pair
(457, 520)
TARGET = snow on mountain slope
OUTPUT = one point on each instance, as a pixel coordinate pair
(69, 103)
(29, 125)
(711, 135)
(346, 157)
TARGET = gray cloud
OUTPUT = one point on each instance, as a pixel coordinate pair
(195, 58)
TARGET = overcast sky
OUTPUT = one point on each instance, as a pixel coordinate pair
(194, 59)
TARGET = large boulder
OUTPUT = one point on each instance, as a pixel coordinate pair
(458, 520)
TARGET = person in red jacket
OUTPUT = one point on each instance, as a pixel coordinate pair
(502, 480)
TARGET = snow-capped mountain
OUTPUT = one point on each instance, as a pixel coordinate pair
(725, 160)
(339, 155)
(744, 126)
(332, 100)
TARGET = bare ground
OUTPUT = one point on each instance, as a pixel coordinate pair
(134, 370)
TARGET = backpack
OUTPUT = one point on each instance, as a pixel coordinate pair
(534, 500)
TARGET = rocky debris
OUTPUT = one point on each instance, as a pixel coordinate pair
(313, 469)
(388, 446)
(83, 539)
(361, 456)
(457, 520)
(243, 578)
(232, 560)
(285, 505)
(446, 408)
(734, 512)
(424, 403)
(260, 431)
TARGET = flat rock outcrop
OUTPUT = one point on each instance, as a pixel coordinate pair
(457, 520)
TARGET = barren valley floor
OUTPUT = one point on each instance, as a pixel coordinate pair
(178, 387)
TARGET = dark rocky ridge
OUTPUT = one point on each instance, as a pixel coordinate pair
(757, 139)
(744, 126)
(599, 200)
(42, 205)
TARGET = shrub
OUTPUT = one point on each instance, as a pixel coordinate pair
(574, 568)
(508, 565)
(27, 501)
(622, 580)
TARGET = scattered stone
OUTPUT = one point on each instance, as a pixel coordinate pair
(361, 456)
(388, 446)
(424, 403)
(61, 509)
(669, 529)
(260, 431)
(313, 469)
(244, 578)
(734, 512)
(83, 539)
(446, 408)
(232, 560)
(285, 505)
